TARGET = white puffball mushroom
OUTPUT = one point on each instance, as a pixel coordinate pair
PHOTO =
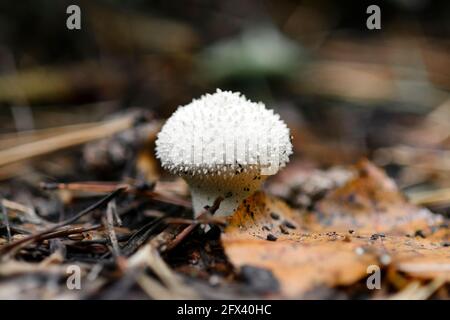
(223, 145)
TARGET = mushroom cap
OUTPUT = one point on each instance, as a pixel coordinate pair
(223, 134)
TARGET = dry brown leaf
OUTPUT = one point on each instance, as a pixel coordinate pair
(299, 260)
(418, 257)
(304, 252)
(371, 202)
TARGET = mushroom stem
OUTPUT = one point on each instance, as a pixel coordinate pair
(233, 190)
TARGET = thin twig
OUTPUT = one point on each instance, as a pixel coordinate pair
(430, 198)
(38, 236)
(171, 287)
(416, 291)
(8, 140)
(64, 140)
(186, 231)
(109, 221)
(205, 220)
(96, 205)
(67, 232)
(30, 213)
(141, 236)
(102, 187)
(5, 215)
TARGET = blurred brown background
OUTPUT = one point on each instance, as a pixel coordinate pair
(345, 91)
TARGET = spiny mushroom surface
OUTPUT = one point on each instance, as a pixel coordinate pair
(223, 145)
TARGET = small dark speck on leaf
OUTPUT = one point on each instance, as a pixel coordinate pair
(419, 233)
(145, 186)
(363, 173)
(289, 224)
(284, 229)
(351, 198)
(259, 279)
(376, 236)
(274, 216)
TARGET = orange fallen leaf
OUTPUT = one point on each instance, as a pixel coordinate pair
(298, 259)
(305, 251)
(371, 202)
